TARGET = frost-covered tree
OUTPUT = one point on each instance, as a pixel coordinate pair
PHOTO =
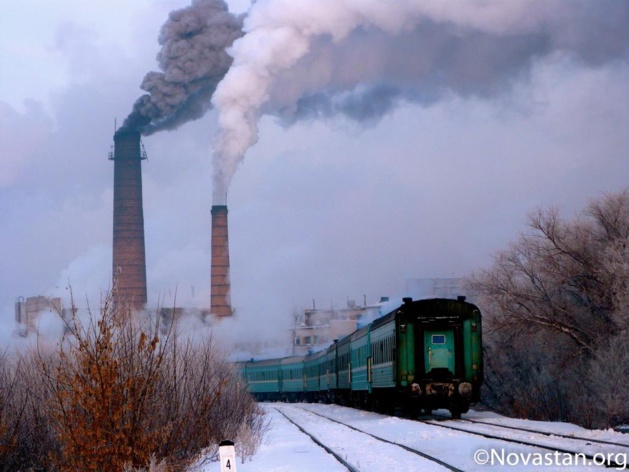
(557, 310)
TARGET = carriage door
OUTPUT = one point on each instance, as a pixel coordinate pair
(439, 352)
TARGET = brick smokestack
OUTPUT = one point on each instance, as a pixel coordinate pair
(129, 260)
(220, 296)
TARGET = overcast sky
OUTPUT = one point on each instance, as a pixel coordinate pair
(423, 164)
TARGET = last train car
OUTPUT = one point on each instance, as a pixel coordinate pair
(438, 354)
(424, 355)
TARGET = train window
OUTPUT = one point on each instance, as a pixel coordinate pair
(438, 339)
(387, 349)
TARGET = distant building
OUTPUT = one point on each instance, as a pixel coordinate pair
(320, 327)
(170, 317)
(27, 312)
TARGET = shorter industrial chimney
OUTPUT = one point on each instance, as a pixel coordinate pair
(220, 296)
(129, 260)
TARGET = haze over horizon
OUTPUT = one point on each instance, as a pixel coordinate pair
(416, 163)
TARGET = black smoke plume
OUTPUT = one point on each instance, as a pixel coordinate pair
(193, 61)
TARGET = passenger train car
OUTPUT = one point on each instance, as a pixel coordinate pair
(424, 355)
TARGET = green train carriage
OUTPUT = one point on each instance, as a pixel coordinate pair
(263, 378)
(292, 378)
(383, 364)
(360, 367)
(343, 371)
(315, 381)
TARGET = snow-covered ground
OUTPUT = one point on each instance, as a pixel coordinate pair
(286, 448)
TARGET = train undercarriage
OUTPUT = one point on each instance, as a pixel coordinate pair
(408, 402)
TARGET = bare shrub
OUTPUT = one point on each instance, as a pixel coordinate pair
(525, 378)
(206, 399)
(118, 395)
(26, 438)
(250, 434)
(608, 377)
(153, 466)
(100, 393)
(11, 414)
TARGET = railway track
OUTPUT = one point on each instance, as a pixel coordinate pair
(458, 451)
(545, 433)
(324, 434)
(595, 451)
(338, 457)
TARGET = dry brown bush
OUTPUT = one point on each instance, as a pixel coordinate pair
(100, 393)
(118, 395)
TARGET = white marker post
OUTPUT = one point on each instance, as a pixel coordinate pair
(227, 453)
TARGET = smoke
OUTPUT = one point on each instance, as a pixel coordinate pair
(316, 59)
(193, 61)
(322, 58)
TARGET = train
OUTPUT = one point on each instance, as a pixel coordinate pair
(422, 356)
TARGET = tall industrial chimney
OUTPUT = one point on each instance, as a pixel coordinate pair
(129, 260)
(220, 296)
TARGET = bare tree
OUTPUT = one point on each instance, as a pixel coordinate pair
(558, 299)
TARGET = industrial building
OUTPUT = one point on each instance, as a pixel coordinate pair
(28, 312)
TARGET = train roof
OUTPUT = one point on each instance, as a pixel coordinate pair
(384, 319)
(261, 363)
(274, 361)
(315, 355)
(291, 360)
(434, 307)
(360, 332)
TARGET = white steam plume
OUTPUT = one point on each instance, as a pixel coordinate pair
(360, 58)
